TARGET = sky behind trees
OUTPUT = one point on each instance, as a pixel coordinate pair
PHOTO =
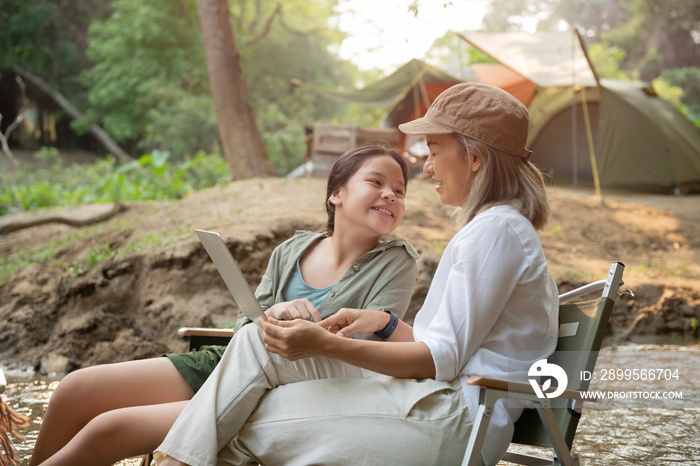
(386, 35)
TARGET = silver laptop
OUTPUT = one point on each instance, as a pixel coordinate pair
(231, 273)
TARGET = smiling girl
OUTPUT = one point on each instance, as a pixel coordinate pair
(102, 414)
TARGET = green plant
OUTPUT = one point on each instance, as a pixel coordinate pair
(48, 182)
(681, 270)
(440, 245)
(694, 327)
(101, 254)
(687, 79)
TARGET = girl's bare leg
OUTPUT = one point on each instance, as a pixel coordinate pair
(87, 393)
(168, 461)
(118, 434)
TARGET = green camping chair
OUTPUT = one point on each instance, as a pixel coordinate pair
(581, 329)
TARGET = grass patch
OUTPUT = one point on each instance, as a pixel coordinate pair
(92, 258)
(27, 255)
(150, 241)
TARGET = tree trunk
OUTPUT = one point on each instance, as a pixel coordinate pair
(240, 138)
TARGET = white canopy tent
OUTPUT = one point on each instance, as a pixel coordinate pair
(546, 58)
(549, 59)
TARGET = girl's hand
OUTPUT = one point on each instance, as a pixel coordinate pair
(294, 339)
(347, 322)
(296, 309)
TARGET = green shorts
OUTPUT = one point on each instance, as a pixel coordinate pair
(196, 366)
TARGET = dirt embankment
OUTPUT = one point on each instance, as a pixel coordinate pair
(121, 289)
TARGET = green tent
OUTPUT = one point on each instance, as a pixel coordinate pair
(631, 136)
(405, 94)
(640, 141)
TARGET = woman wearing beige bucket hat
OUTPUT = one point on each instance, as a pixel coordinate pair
(305, 393)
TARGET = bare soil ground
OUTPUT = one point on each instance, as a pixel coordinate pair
(73, 297)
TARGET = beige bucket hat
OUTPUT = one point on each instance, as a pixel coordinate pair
(479, 111)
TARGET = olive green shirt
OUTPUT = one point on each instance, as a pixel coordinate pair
(382, 278)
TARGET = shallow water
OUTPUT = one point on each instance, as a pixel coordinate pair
(29, 395)
(619, 432)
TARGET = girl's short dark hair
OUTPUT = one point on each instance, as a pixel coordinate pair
(348, 164)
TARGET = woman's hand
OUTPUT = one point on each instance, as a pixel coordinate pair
(347, 322)
(296, 309)
(294, 339)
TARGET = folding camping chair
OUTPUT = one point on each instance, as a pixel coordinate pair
(581, 330)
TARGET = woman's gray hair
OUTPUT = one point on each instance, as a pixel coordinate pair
(502, 178)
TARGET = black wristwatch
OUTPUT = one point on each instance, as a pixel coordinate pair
(386, 332)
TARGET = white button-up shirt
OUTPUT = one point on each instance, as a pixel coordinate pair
(492, 310)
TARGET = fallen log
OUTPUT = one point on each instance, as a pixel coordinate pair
(19, 225)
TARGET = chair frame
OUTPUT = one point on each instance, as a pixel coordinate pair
(555, 427)
(199, 336)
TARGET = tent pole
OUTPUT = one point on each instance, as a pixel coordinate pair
(585, 54)
(574, 140)
(587, 120)
(591, 149)
(574, 135)
(403, 94)
(423, 94)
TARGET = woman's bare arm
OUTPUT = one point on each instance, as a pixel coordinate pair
(301, 339)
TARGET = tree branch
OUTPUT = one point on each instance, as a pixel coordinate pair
(294, 31)
(57, 97)
(279, 11)
(268, 26)
(9, 176)
(253, 24)
(3, 140)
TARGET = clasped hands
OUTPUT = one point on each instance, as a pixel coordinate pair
(307, 335)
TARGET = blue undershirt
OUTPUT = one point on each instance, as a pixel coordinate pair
(297, 288)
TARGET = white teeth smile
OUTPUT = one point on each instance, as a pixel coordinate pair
(383, 210)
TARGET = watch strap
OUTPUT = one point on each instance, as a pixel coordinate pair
(386, 332)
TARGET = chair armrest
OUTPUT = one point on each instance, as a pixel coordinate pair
(519, 387)
(205, 332)
(200, 337)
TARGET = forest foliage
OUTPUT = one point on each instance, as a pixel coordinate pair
(138, 69)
